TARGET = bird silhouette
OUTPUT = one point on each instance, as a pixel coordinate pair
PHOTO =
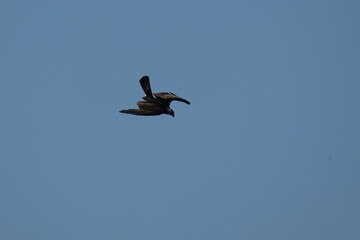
(154, 104)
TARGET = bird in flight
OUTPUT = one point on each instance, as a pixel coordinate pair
(154, 104)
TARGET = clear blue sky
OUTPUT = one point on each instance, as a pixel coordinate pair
(268, 149)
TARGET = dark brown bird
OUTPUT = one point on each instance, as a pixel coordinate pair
(154, 104)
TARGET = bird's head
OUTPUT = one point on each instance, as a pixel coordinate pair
(169, 111)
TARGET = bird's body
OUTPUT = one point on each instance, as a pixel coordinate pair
(154, 104)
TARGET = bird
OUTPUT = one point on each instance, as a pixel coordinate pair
(154, 104)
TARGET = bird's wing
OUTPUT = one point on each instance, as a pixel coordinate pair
(170, 97)
(143, 112)
(145, 84)
(147, 105)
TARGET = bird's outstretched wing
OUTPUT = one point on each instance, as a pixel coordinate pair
(143, 112)
(147, 105)
(145, 84)
(170, 97)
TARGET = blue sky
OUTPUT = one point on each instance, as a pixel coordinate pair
(268, 148)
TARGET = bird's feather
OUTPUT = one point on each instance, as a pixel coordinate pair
(147, 105)
(145, 84)
(170, 97)
(143, 112)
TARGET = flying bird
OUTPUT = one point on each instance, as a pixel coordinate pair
(154, 104)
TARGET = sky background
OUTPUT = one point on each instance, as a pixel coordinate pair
(268, 149)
